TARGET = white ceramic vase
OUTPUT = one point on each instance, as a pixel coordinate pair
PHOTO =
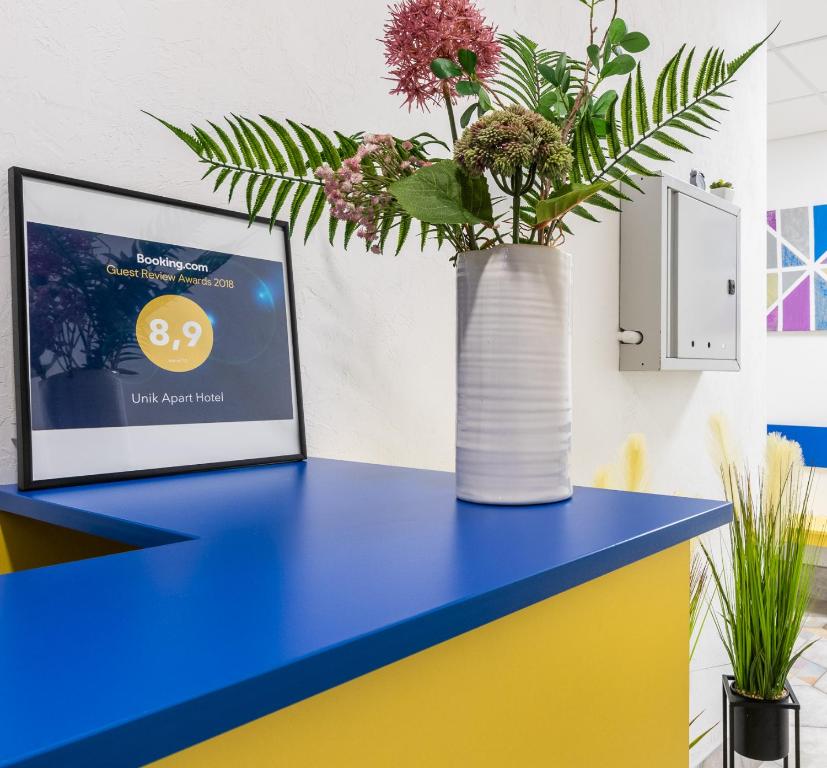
(514, 375)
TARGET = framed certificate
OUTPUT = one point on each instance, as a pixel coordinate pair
(151, 335)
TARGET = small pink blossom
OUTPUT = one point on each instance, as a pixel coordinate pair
(358, 190)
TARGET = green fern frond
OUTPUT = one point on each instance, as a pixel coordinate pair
(672, 82)
(219, 180)
(709, 78)
(402, 235)
(302, 192)
(254, 144)
(263, 193)
(612, 135)
(273, 152)
(316, 211)
(385, 228)
(225, 139)
(641, 109)
(236, 178)
(246, 153)
(616, 193)
(209, 144)
(582, 151)
(332, 226)
(424, 226)
(350, 228)
(740, 60)
(281, 197)
(658, 95)
(313, 156)
(626, 125)
(682, 126)
(347, 144)
(191, 141)
(700, 77)
(620, 175)
(583, 213)
(520, 79)
(297, 163)
(714, 105)
(699, 110)
(252, 180)
(652, 153)
(670, 141)
(593, 142)
(600, 201)
(329, 151)
(636, 167)
(687, 69)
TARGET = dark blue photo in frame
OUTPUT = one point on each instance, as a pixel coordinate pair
(85, 293)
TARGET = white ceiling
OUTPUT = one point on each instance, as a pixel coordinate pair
(796, 71)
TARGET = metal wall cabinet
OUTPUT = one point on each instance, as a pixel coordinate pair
(680, 275)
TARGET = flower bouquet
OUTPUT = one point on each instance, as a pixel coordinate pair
(535, 135)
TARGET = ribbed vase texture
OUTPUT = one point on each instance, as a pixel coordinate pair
(514, 375)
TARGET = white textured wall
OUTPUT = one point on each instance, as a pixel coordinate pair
(377, 333)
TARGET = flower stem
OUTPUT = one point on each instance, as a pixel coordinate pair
(517, 185)
(446, 94)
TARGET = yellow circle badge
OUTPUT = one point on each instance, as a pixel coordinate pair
(174, 333)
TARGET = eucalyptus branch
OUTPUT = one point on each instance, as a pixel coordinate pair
(585, 92)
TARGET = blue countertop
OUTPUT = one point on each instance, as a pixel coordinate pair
(261, 586)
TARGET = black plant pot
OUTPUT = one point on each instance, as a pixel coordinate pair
(759, 729)
(762, 728)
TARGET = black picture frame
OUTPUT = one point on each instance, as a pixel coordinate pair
(17, 177)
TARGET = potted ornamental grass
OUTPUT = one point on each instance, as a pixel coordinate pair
(533, 137)
(763, 594)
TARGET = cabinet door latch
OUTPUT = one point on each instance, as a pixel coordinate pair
(731, 287)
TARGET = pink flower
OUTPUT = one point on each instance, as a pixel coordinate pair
(420, 31)
(358, 190)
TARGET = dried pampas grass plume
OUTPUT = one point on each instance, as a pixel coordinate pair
(782, 464)
(721, 447)
(724, 454)
(603, 477)
(634, 463)
(631, 474)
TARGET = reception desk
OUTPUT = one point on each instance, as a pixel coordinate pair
(331, 613)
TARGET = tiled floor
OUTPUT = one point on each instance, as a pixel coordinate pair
(809, 679)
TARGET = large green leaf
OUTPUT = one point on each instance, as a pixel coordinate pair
(571, 196)
(443, 194)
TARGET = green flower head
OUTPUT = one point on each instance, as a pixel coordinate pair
(512, 138)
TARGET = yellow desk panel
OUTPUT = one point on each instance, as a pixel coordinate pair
(596, 677)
